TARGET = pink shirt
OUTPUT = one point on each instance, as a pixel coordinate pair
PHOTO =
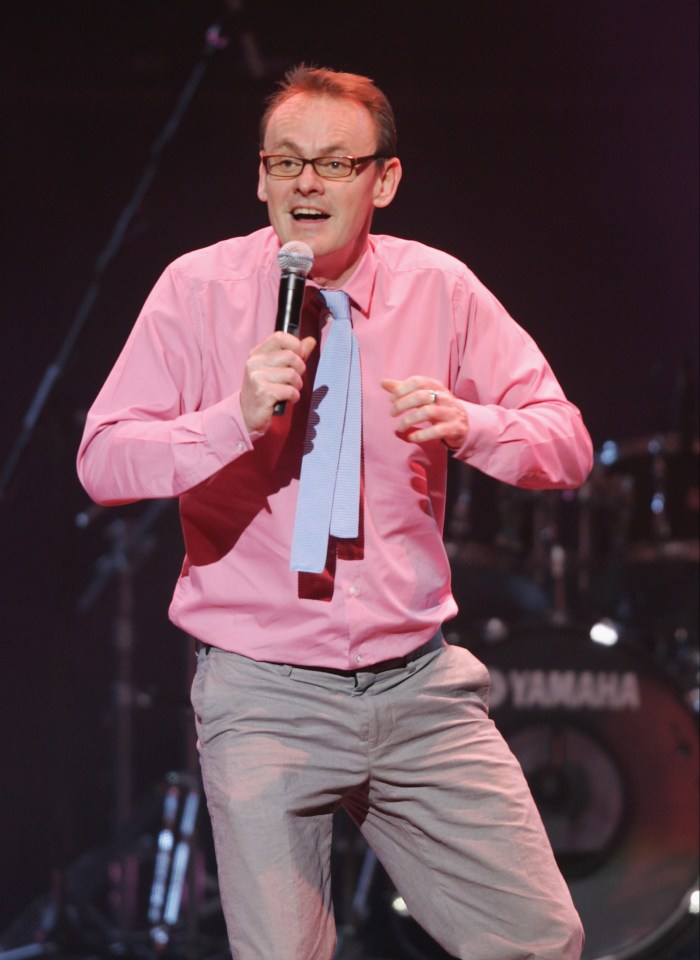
(168, 423)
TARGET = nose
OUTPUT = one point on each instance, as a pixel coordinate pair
(308, 181)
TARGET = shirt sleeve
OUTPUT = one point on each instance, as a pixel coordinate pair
(522, 428)
(146, 435)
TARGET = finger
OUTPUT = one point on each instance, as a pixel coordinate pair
(420, 398)
(307, 346)
(447, 425)
(423, 435)
(278, 359)
(423, 395)
(423, 413)
(262, 389)
(279, 340)
(266, 383)
(401, 388)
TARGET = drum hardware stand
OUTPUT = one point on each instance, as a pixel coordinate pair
(66, 913)
(544, 534)
(350, 946)
(360, 911)
(550, 556)
(72, 922)
(173, 857)
(557, 560)
(175, 843)
(584, 555)
(347, 935)
(131, 543)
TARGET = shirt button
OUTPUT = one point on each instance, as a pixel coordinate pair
(240, 445)
(352, 591)
(358, 658)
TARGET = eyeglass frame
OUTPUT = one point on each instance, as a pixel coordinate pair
(355, 161)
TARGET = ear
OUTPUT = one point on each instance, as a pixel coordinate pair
(262, 183)
(387, 182)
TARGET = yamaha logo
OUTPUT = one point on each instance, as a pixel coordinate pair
(564, 689)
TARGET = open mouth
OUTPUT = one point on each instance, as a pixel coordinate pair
(309, 215)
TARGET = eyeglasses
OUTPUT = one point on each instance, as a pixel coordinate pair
(329, 168)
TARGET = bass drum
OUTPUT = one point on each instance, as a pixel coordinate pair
(610, 752)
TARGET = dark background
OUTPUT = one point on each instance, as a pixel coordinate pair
(550, 145)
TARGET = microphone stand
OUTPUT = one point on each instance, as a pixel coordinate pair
(214, 41)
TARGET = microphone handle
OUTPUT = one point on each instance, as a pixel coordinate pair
(291, 297)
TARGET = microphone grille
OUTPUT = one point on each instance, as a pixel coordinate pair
(296, 257)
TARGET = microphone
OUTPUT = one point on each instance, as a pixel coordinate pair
(295, 259)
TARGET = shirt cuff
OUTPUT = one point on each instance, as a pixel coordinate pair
(483, 430)
(226, 430)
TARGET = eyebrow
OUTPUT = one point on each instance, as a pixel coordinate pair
(333, 150)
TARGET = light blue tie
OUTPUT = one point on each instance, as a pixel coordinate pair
(329, 486)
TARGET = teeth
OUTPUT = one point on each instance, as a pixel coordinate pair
(309, 212)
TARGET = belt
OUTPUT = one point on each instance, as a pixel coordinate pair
(436, 642)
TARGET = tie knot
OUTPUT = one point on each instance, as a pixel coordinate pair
(338, 303)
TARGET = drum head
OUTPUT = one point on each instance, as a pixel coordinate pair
(611, 755)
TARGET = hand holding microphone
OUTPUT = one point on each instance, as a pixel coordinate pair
(279, 362)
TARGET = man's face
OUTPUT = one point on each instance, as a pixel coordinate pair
(332, 216)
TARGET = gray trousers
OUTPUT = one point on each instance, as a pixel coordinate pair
(412, 755)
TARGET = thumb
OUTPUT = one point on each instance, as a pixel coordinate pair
(390, 385)
(307, 346)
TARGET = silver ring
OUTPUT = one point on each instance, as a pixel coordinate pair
(433, 396)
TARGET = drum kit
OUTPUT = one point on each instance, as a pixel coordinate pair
(623, 549)
(584, 606)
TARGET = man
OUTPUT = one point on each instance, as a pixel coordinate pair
(330, 685)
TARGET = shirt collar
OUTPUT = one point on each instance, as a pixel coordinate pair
(360, 284)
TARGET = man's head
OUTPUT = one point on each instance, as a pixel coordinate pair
(320, 81)
(318, 113)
